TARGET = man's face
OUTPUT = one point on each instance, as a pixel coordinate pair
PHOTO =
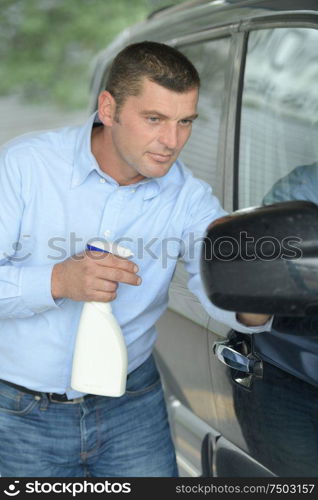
(151, 130)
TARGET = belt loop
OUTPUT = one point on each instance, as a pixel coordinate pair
(44, 401)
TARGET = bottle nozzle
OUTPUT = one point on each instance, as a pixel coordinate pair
(107, 246)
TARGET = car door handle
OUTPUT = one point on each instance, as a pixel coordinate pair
(235, 360)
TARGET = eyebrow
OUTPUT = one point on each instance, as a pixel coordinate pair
(160, 115)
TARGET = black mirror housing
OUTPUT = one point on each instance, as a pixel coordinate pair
(264, 260)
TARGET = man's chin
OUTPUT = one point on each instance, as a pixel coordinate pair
(159, 170)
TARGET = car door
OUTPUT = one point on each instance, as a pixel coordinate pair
(267, 418)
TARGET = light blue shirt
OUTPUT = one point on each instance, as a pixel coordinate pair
(54, 198)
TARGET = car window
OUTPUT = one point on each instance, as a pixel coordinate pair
(201, 152)
(278, 151)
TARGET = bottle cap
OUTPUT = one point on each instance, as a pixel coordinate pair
(109, 247)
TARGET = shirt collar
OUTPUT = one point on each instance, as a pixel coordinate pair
(85, 162)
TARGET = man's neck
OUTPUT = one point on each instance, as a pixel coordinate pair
(102, 149)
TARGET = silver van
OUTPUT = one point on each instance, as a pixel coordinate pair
(255, 142)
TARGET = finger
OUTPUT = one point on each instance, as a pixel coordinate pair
(110, 260)
(99, 296)
(105, 285)
(120, 276)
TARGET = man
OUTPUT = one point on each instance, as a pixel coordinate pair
(116, 175)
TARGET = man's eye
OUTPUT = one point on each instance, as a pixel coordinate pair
(153, 119)
(186, 122)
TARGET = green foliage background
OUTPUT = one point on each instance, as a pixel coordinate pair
(47, 46)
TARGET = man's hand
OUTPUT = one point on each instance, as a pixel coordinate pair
(251, 319)
(92, 276)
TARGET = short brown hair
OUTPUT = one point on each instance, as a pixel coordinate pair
(158, 62)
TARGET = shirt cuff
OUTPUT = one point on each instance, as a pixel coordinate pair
(36, 288)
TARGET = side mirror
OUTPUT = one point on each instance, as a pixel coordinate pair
(264, 260)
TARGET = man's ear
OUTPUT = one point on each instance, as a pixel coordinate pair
(106, 108)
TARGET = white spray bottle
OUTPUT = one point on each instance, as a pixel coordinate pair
(100, 356)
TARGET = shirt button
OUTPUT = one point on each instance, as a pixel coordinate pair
(102, 180)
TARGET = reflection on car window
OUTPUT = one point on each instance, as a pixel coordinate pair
(279, 125)
(200, 153)
(300, 184)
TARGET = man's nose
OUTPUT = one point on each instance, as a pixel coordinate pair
(169, 136)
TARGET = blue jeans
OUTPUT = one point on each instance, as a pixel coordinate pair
(98, 437)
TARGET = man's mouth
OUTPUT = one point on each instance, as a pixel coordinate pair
(160, 157)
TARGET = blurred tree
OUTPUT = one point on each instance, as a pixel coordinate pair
(46, 46)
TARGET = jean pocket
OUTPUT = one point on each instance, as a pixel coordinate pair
(144, 379)
(15, 402)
